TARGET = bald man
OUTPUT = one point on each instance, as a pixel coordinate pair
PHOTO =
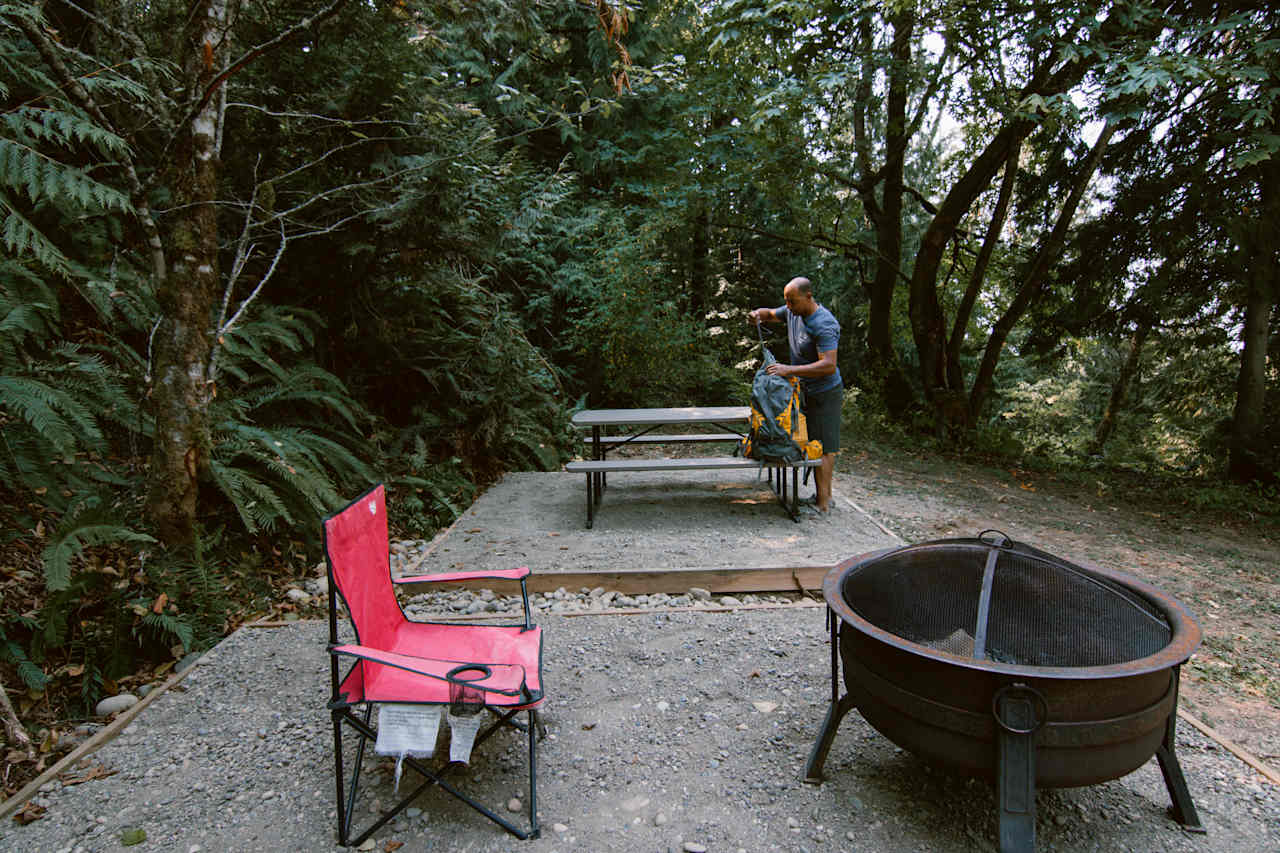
(814, 336)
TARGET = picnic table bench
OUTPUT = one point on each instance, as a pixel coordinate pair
(643, 422)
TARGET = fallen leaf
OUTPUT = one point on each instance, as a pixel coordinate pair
(97, 771)
(30, 814)
(764, 707)
(161, 600)
(586, 727)
(476, 530)
(755, 673)
(133, 836)
(392, 845)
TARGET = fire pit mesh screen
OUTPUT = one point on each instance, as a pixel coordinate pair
(1008, 603)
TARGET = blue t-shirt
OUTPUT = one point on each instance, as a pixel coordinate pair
(808, 336)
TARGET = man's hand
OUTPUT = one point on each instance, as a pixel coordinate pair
(779, 369)
(760, 315)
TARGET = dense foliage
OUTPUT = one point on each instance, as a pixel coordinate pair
(428, 231)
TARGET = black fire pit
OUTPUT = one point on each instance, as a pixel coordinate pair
(1001, 660)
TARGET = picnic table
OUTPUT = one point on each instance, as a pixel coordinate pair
(637, 426)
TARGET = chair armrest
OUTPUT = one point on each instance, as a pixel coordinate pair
(505, 678)
(509, 574)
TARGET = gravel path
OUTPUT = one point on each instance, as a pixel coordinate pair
(669, 731)
(666, 730)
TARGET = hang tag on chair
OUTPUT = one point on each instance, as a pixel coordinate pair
(409, 729)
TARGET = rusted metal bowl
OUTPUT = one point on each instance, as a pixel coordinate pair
(907, 640)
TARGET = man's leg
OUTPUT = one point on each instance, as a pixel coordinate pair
(822, 481)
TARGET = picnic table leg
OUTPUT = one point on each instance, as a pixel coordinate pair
(795, 493)
(590, 502)
(598, 455)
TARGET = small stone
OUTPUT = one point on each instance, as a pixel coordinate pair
(660, 819)
(297, 596)
(412, 812)
(368, 845)
(792, 823)
(662, 706)
(694, 847)
(513, 805)
(112, 704)
(764, 707)
(700, 593)
(635, 804)
(729, 601)
(559, 827)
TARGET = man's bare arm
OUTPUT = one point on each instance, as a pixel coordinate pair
(824, 366)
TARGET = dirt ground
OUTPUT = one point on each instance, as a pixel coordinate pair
(688, 730)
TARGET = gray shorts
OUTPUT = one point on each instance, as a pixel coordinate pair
(822, 416)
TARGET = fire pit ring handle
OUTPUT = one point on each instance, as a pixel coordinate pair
(1018, 690)
(998, 538)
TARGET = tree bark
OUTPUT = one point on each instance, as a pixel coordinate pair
(1120, 388)
(14, 731)
(182, 392)
(1244, 463)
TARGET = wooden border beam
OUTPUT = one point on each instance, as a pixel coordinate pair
(647, 581)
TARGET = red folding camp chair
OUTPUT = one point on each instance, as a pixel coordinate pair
(419, 663)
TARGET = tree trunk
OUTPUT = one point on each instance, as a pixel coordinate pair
(886, 217)
(182, 391)
(14, 732)
(928, 328)
(1121, 386)
(1260, 259)
(955, 377)
(1033, 283)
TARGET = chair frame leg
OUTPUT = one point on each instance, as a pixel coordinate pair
(366, 733)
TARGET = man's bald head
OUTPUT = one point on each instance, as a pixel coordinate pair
(798, 294)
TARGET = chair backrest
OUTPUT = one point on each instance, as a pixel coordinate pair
(355, 542)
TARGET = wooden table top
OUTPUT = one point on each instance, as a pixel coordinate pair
(646, 417)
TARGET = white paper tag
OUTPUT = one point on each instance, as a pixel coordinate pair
(407, 730)
(463, 736)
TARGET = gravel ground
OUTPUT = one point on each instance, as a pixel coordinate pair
(668, 731)
(656, 743)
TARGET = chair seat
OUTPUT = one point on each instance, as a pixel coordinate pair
(373, 682)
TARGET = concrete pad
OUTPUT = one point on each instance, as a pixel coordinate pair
(664, 519)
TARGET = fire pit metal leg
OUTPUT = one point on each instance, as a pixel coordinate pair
(1019, 711)
(1182, 810)
(818, 755)
(835, 712)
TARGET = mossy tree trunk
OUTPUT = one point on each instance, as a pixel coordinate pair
(183, 389)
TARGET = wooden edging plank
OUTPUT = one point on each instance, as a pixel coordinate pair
(1235, 749)
(646, 581)
(90, 746)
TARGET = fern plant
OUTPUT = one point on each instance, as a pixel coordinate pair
(284, 430)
